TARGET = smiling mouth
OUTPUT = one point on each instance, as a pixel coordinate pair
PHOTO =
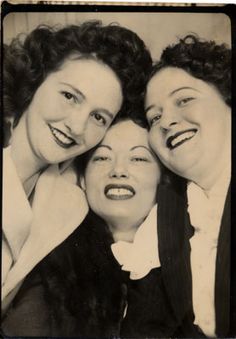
(180, 138)
(61, 138)
(119, 192)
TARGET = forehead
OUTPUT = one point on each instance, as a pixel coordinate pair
(85, 66)
(169, 76)
(169, 79)
(125, 135)
(95, 80)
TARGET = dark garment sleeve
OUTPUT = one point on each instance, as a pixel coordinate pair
(29, 314)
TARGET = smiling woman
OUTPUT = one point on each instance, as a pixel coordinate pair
(62, 90)
(188, 109)
(99, 281)
(121, 179)
(65, 118)
(193, 130)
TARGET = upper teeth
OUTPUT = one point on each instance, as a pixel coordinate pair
(119, 191)
(182, 137)
(61, 137)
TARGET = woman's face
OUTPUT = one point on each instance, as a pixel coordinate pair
(122, 175)
(189, 122)
(72, 109)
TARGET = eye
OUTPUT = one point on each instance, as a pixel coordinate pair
(184, 101)
(154, 120)
(100, 158)
(99, 119)
(69, 96)
(139, 159)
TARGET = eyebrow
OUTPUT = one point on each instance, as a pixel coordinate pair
(131, 149)
(105, 146)
(138, 146)
(77, 91)
(148, 108)
(181, 88)
(171, 93)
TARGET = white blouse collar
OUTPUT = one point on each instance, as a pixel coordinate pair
(140, 256)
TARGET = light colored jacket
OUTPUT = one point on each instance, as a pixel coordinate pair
(31, 232)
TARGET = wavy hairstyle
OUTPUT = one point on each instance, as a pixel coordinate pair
(28, 61)
(202, 59)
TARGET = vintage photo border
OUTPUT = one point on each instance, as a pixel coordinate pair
(91, 6)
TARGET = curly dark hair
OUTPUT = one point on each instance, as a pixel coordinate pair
(202, 59)
(28, 61)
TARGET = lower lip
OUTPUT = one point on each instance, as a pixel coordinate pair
(60, 143)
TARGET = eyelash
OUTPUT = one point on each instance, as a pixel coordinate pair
(133, 159)
(100, 158)
(99, 119)
(154, 119)
(184, 101)
(68, 96)
(139, 159)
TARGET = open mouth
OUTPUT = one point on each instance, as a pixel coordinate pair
(119, 192)
(61, 138)
(180, 138)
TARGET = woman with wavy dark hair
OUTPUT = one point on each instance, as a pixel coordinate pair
(62, 89)
(188, 110)
(104, 281)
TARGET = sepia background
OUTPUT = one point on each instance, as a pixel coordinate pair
(156, 29)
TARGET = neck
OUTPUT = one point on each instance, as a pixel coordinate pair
(27, 163)
(123, 230)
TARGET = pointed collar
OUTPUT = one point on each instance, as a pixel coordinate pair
(140, 256)
(59, 206)
(17, 212)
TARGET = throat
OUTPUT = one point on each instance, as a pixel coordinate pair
(123, 234)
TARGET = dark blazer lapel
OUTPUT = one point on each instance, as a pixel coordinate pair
(222, 285)
(174, 231)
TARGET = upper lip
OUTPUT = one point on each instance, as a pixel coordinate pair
(172, 137)
(63, 133)
(110, 186)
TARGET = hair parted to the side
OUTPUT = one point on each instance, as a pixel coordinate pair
(27, 62)
(202, 59)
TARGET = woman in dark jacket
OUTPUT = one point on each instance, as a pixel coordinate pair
(188, 108)
(105, 280)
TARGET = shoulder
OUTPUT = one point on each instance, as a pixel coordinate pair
(29, 313)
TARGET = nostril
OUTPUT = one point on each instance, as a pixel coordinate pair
(118, 174)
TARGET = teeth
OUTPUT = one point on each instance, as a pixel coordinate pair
(182, 137)
(119, 191)
(61, 137)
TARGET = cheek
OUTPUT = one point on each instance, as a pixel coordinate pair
(92, 192)
(149, 183)
(93, 182)
(94, 135)
(156, 141)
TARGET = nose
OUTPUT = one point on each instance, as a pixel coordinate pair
(169, 118)
(76, 122)
(119, 169)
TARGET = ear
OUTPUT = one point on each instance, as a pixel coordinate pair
(82, 182)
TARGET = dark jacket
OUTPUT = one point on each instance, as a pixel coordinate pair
(174, 232)
(159, 305)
